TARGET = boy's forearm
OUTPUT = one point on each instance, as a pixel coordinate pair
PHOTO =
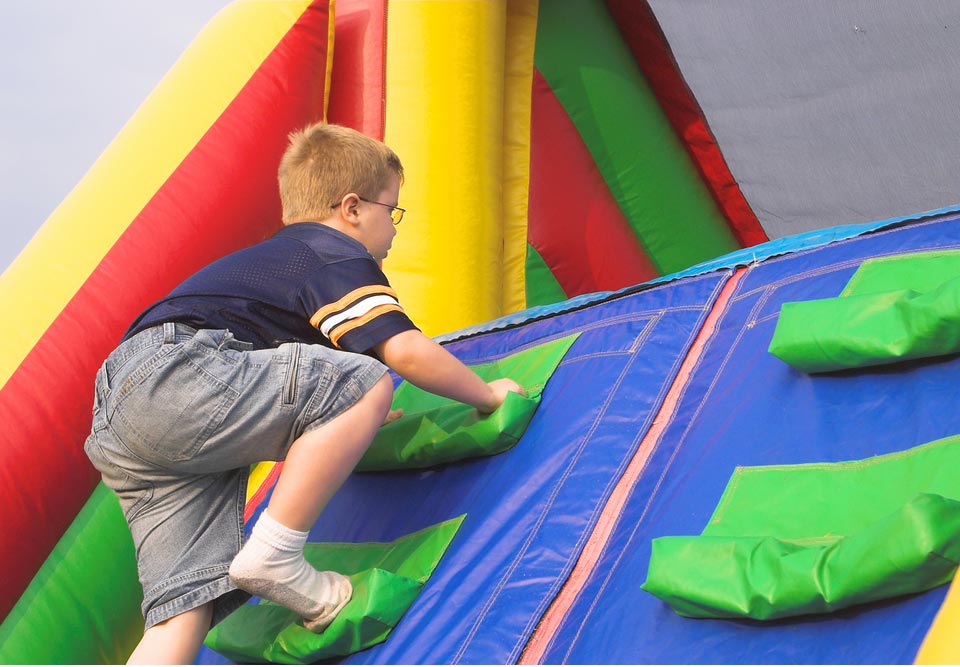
(423, 362)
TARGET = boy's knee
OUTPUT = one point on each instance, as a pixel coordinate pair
(382, 392)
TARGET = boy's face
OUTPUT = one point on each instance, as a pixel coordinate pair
(376, 226)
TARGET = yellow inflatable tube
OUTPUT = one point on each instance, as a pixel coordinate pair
(445, 101)
(521, 40)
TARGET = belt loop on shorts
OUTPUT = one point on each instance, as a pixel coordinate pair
(169, 333)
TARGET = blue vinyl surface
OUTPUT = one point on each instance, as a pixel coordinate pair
(743, 406)
(529, 510)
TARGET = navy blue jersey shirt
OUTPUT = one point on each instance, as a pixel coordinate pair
(307, 283)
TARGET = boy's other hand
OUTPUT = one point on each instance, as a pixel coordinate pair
(498, 393)
(393, 416)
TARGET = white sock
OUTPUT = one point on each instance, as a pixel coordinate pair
(271, 565)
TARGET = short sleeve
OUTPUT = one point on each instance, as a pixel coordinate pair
(353, 306)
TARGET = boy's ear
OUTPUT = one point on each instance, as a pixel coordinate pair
(349, 206)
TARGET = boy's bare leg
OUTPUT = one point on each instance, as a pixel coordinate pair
(175, 641)
(320, 460)
(271, 564)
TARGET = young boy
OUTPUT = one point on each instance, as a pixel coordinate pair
(275, 352)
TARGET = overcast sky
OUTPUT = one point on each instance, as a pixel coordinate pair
(72, 74)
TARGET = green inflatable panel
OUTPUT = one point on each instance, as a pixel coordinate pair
(911, 550)
(542, 287)
(435, 430)
(583, 57)
(893, 309)
(798, 539)
(386, 578)
(83, 606)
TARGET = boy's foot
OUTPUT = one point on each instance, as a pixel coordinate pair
(331, 593)
(271, 565)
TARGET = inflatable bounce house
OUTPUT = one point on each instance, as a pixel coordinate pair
(719, 243)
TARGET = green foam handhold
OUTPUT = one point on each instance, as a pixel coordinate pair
(914, 549)
(435, 430)
(893, 309)
(273, 633)
(447, 434)
(815, 537)
(386, 578)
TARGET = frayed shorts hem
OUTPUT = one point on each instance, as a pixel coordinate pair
(226, 597)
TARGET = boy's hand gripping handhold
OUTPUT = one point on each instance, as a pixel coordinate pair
(498, 393)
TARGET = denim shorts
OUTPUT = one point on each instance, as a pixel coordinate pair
(179, 417)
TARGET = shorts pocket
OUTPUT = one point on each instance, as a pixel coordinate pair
(169, 411)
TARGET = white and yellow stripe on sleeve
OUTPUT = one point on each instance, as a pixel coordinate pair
(354, 310)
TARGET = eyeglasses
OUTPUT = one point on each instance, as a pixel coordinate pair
(396, 213)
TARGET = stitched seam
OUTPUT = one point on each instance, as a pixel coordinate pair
(545, 602)
(667, 467)
(550, 502)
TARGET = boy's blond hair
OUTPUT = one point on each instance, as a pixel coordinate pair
(325, 162)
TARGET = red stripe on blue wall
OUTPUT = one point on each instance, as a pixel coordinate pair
(542, 638)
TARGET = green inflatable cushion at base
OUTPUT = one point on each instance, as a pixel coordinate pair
(434, 430)
(911, 550)
(893, 309)
(386, 578)
(83, 606)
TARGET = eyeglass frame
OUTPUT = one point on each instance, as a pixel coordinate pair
(392, 209)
